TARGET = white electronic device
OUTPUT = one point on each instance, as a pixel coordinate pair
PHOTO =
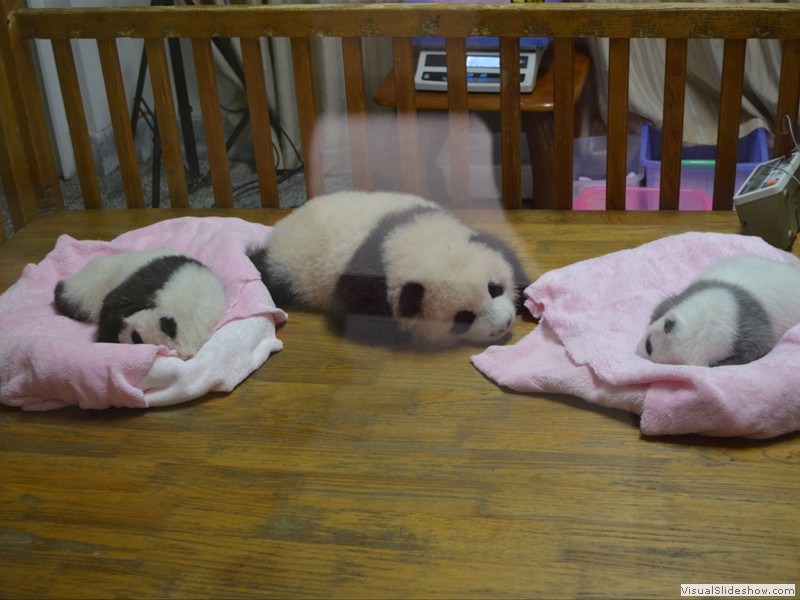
(483, 71)
(768, 201)
(769, 178)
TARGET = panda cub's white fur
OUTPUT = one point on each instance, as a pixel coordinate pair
(734, 313)
(153, 296)
(393, 268)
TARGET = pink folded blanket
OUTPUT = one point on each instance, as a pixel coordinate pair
(48, 360)
(594, 313)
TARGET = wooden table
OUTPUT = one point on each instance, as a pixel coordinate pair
(536, 107)
(339, 470)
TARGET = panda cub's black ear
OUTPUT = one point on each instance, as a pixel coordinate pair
(169, 326)
(669, 325)
(411, 299)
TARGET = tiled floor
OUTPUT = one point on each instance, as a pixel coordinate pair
(244, 180)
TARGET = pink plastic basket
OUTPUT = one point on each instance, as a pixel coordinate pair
(640, 198)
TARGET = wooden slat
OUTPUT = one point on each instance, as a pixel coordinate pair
(6, 174)
(672, 129)
(307, 114)
(407, 134)
(619, 61)
(120, 121)
(353, 59)
(3, 172)
(728, 129)
(212, 122)
(17, 179)
(458, 121)
(27, 93)
(568, 20)
(563, 123)
(789, 91)
(167, 123)
(510, 122)
(76, 119)
(47, 179)
(38, 142)
(258, 105)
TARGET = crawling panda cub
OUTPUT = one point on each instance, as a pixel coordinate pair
(734, 313)
(152, 296)
(393, 268)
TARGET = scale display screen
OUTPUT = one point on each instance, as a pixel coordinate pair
(485, 61)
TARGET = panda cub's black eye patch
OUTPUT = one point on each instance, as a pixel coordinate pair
(462, 322)
(495, 290)
(136, 338)
(669, 325)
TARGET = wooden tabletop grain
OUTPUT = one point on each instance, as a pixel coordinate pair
(339, 470)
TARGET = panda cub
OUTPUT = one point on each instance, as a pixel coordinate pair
(734, 313)
(153, 296)
(393, 268)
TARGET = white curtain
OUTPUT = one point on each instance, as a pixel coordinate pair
(704, 69)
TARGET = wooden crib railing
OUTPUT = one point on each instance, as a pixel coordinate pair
(29, 171)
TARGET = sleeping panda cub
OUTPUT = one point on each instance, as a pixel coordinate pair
(153, 296)
(393, 268)
(734, 313)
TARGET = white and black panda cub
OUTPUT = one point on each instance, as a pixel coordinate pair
(152, 296)
(733, 313)
(393, 268)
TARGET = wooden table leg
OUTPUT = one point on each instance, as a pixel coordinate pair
(538, 129)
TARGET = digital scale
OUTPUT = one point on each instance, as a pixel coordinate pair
(483, 71)
(767, 202)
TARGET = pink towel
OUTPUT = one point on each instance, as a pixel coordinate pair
(594, 313)
(48, 360)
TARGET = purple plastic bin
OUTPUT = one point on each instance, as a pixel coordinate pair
(752, 150)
